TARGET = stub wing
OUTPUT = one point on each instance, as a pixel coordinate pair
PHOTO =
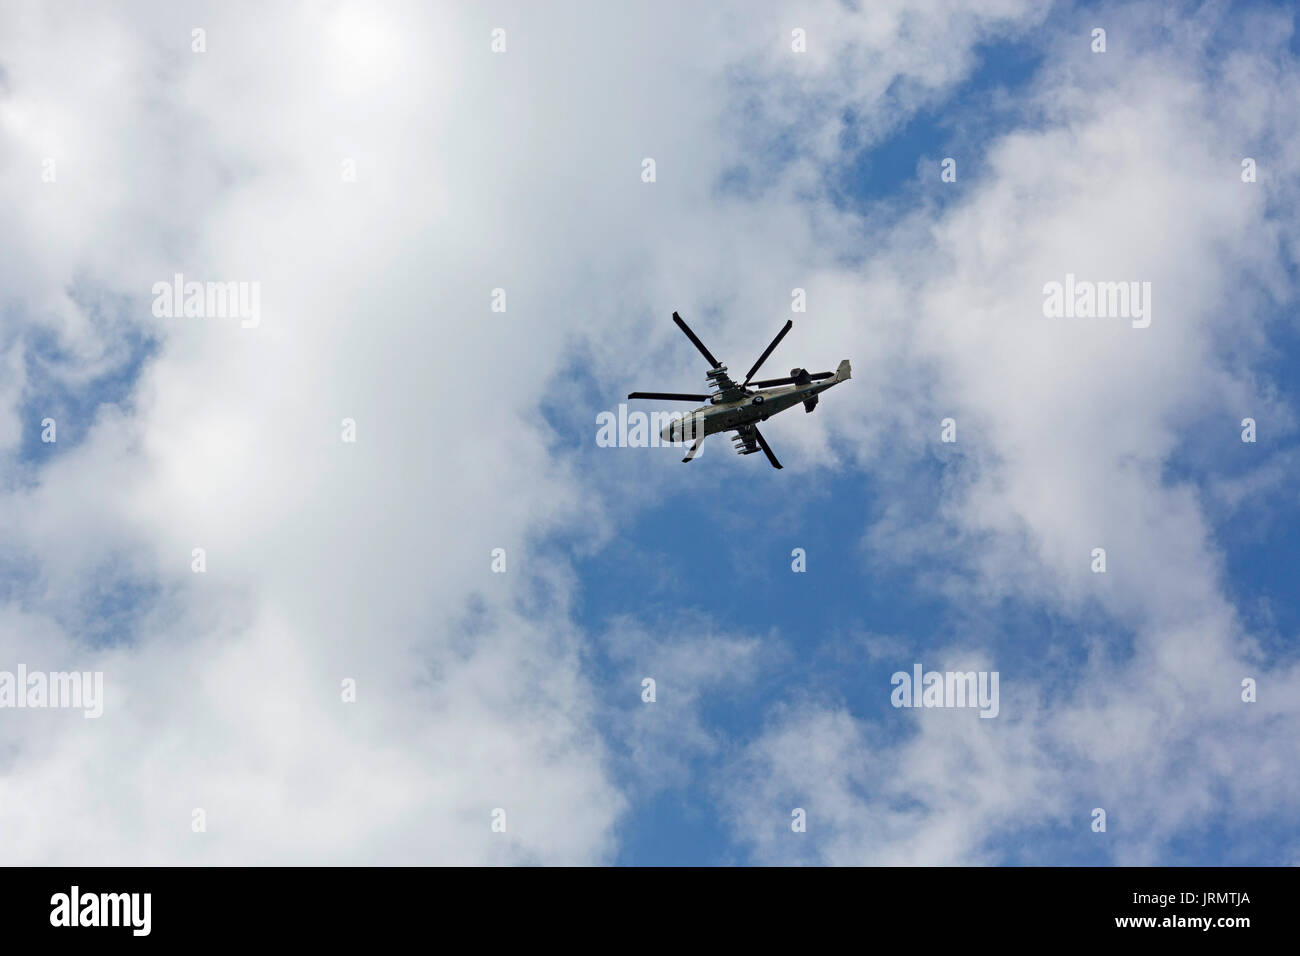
(745, 441)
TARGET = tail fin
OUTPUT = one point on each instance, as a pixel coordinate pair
(844, 372)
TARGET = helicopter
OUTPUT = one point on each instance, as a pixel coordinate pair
(740, 408)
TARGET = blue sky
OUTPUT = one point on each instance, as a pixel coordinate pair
(330, 560)
(726, 550)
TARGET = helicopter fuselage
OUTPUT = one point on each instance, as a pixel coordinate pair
(740, 406)
(749, 408)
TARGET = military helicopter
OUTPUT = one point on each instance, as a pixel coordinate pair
(739, 408)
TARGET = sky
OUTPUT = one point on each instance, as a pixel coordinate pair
(428, 601)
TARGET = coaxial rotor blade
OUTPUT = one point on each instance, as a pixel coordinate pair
(788, 380)
(762, 443)
(789, 324)
(670, 396)
(713, 363)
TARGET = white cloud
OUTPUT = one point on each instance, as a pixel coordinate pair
(1065, 427)
(521, 171)
(327, 560)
